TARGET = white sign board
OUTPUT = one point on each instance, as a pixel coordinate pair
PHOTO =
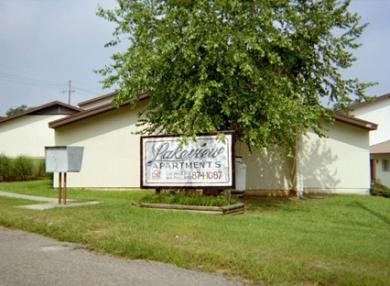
(63, 159)
(206, 162)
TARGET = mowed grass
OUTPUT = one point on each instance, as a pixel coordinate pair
(336, 240)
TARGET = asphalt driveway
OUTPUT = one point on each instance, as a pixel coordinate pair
(30, 259)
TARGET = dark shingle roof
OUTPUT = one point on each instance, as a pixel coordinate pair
(108, 107)
(52, 108)
(381, 148)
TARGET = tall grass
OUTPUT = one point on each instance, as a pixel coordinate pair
(5, 168)
(21, 168)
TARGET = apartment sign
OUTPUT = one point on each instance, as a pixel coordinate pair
(167, 162)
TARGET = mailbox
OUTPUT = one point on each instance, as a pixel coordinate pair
(63, 159)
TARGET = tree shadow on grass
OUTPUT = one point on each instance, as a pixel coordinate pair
(383, 218)
(261, 204)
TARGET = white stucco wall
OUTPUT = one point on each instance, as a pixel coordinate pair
(265, 172)
(338, 163)
(111, 152)
(379, 113)
(382, 176)
(112, 155)
(27, 135)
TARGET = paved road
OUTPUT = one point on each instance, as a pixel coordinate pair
(30, 259)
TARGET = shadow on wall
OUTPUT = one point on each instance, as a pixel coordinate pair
(316, 161)
(265, 170)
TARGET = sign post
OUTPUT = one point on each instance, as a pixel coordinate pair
(206, 162)
(63, 159)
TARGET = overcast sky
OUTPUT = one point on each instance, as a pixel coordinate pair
(45, 43)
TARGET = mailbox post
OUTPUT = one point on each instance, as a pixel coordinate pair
(63, 159)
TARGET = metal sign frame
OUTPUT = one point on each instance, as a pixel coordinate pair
(230, 184)
(63, 159)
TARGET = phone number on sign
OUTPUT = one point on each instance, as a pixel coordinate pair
(214, 175)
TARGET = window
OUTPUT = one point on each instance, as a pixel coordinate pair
(385, 165)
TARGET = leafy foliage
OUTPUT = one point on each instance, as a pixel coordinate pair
(187, 199)
(5, 168)
(21, 168)
(17, 110)
(262, 68)
(380, 190)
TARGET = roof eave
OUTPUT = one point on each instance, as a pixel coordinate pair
(96, 99)
(355, 122)
(90, 113)
(372, 100)
(35, 109)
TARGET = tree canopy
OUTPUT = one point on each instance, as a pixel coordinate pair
(261, 68)
(16, 110)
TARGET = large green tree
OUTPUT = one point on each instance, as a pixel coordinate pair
(262, 68)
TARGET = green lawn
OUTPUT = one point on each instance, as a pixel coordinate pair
(337, 240)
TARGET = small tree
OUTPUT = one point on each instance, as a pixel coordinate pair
(16, 110)
(262, 68)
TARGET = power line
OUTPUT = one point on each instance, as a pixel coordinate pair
(31, 81)
(24, 79)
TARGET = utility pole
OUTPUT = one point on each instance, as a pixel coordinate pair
(70, 90)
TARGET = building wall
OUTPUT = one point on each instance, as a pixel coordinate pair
(111, 152)
(379, 113)
(27, 135)
(338, 163)
(265, 171)
(112, 155)
(382, 174)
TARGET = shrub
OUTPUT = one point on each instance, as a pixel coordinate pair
(187, 199)
(5, 168)
(380, 190)
(22, 168)
(39, 168)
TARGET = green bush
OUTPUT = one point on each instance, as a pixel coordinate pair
(380, 190)
(5, 168)
(21, 168)
(39, 168)
(187, 199)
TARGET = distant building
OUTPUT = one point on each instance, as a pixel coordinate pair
(377, 110)
(28, 133)
(380, 163)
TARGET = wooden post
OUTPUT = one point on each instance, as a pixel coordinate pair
(59, 187)
(373, 170)
(64, 188)
(158, 191)
(228, 194)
